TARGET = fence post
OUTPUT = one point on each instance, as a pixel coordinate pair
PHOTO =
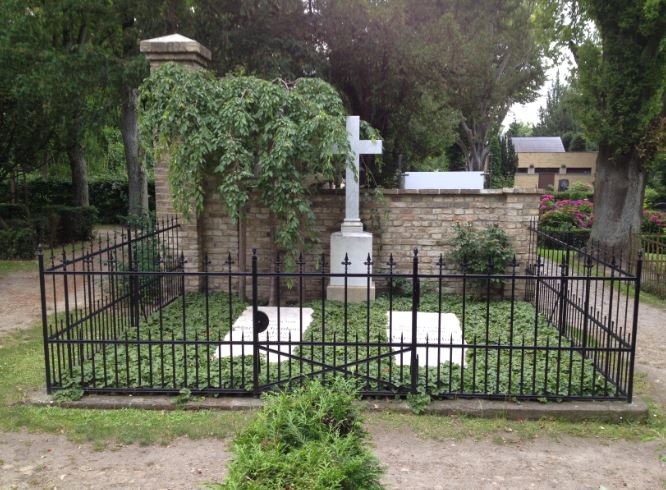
(414, 364)
(564, 292)
(45, 330)
(634, 327)
(255, 333)
(131, 262)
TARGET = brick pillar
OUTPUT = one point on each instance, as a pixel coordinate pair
(189, 53)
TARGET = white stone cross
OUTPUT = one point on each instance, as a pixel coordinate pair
(358, 147)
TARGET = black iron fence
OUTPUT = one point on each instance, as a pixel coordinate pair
(654, 262)
(560, 326)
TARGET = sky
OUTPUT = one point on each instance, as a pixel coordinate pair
(529, 113)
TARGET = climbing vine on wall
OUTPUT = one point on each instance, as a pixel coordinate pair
(265, 140)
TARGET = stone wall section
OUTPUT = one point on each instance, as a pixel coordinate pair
(401, 220)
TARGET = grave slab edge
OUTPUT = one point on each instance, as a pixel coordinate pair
(527, 410)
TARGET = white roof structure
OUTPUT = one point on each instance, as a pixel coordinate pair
(538, 144)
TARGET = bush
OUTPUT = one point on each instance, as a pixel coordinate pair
(653, 222)
(17, 243)
(13, 212)
(565, 214)
(576, 237)
(478, 248)
(311, 438)
(577, 143)
(64, 224)
(109, 196)
(578, 190)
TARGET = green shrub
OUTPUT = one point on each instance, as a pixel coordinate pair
(578, 190)
(17, 243)
(13, 212)
(109, 196)
(477, 248)
(64, 224)
(311, 438)
(576, 237)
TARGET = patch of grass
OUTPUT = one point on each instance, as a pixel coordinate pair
(462, 427)
(556, 256)
(9, 266)
(309, 438)
(22, 370)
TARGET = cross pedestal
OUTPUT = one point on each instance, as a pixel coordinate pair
(351, 241)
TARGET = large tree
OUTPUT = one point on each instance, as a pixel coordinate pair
(135, 20)
(265, 38)
(488, 57)
(63, 43)
(376, 57)
(620, 50)
(25, 111)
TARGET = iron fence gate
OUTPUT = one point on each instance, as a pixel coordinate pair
(130, 315)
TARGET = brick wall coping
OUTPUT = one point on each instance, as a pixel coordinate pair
(455, 192)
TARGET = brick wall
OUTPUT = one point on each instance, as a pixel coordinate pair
(400, 220)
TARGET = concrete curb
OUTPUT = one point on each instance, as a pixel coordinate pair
(573, 411)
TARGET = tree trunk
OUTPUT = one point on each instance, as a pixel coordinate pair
(619, 187)
(474, 144)
(137, 180)
(476, 158)
(79, 168)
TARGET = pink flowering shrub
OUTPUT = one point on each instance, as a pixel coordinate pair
(653, 222)
(579, 213)
(566, 213)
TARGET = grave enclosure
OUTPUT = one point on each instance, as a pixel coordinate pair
(400, 220)
(159, 310)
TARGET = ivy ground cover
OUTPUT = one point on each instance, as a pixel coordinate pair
(185, 358)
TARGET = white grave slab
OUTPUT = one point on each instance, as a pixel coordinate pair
(290, 324)
(428, 330)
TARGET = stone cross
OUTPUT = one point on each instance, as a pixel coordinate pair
(358, 147)
(351, 245)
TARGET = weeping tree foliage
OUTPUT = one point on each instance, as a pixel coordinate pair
(265, 141)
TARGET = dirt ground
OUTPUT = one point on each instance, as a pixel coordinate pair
(51, 461)
(570, 463)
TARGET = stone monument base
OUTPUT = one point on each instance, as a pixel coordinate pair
(357, 245)
(355, 294)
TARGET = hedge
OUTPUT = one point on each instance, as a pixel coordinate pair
(17, 243)
(63, 224)
(576, 237)
(108, 196)
(21, 230)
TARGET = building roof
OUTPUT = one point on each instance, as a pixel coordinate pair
(538, 144)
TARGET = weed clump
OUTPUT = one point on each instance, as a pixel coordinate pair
(309, 438)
